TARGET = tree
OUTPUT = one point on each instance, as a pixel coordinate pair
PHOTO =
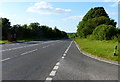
(95, 12)
(95, 17)
(6, 25)
(34, 30)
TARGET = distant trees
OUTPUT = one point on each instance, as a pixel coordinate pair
(72, 35)
(34, 30)
(96, 19)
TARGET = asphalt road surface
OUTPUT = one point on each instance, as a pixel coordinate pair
(52, 60)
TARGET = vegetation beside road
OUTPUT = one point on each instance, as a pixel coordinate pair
(102, 49)
(98, 35)
(33, 30)
(3, 41)
(27, 39)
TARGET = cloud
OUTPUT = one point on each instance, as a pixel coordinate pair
(79, 17)
(46, 8)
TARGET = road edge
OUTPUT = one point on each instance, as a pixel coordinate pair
(97, 58)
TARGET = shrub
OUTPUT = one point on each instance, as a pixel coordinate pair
(104, 32)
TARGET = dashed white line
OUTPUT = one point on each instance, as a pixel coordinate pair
(64, 54)
(63, 57)
(68, 47)
(28, 52)
(46, 46)
(5, 59)
(25, 46)
(56, 67)
(58, 63)
(52, 73)
(48, 78)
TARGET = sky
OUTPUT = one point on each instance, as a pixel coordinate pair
(64, 15)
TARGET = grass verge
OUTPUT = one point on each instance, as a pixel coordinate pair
(102, 49)
(27, 39)
(3, 41)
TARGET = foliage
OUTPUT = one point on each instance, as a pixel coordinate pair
(92, 19)
(72, 35)
(95, 12)
(102, 49)
(104, 32)
(5, 24)
(34, 30)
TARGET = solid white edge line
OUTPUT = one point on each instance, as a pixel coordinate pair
(95, 57)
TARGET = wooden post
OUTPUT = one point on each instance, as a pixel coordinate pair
(115, 51)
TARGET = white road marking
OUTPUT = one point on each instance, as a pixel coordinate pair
(46, 46)
(95, 57)
(28, 52)
(56, 67)
(25, 46)
(68, 47)
(49, 78)
(5, 59)
(52, 73)
(64, 54)
(58, 63)
(63, 57)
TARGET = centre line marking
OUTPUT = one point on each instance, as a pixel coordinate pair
(28, 52)
(64, 54)
(58, 63)
(63, 57)
(52, 73)
(48, 78)
(5, 59)
(56, 67)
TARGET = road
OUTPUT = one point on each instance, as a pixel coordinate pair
(52, 60)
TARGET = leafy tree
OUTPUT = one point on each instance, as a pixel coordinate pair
(5, 27)
(34, 30)
(19, 30)
(95, 12)
(95, 17)
(72, 35)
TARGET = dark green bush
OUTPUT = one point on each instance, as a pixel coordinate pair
(104, 32)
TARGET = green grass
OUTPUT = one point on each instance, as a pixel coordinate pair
(102, 49)
(3, 41)
(27, 39)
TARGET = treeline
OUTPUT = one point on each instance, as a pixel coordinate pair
(96, 24)
(34, 30)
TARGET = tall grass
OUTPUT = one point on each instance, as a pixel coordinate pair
(102, 49)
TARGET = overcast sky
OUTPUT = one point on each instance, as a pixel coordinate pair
(64, 15)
